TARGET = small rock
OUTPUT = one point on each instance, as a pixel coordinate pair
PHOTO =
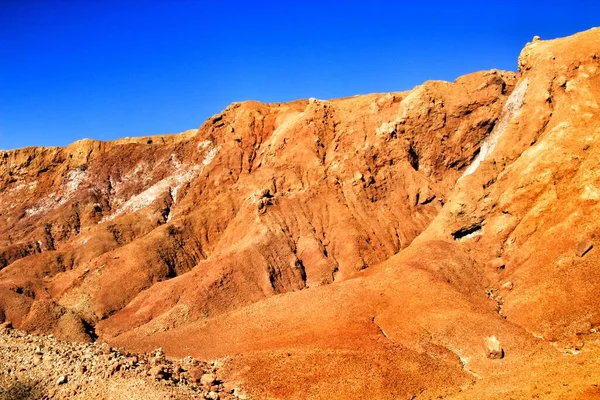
(159, 353)
(113, 369)
(493, 348)
(536, 38)
(196, 374)
(6, 326)
(156, 360)
(496, 264)
(61, 380)
(576, 343)
(508, 285)
(213, 396)
(583, 248)
(156, 372)
(207, 379)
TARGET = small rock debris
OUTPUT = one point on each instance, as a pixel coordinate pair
(65, 370)
(496, 264)
(493, 349)
(583, 248)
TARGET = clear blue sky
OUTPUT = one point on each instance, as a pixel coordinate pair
(109, 69)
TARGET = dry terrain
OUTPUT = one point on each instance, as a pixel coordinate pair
(436, 243)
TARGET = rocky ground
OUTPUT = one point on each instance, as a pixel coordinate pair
(41, 367)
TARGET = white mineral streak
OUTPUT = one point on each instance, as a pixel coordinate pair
(74, 179)
(509, 112)
(172, 183)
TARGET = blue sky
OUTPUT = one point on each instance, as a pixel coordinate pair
(109, 69)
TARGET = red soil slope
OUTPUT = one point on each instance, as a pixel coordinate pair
(355, 248)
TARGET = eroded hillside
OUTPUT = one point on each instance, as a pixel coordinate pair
(362, 247)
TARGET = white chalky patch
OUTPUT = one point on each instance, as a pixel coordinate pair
(509, 112)
(74, 179)
(21, 186)
(131, 176)
(210, 156)
(472, 235)
(16, 188)
(172, 184)
(590, 192)
(386, 128)
(204, 145)
(175, 161)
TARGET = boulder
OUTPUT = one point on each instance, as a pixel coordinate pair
(493, 349)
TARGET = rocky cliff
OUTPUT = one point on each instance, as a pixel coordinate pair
(435, 242)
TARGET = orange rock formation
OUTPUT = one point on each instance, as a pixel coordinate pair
(364, 247)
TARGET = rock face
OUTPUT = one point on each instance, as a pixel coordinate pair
(359, 240)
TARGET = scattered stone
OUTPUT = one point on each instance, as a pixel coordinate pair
(213, 396)
(113, 369)
(159, 353)
(497, 264)
(536, 38)
(583, 248)
(196, 374)
(508, 285)
(156, 372)
(493, 349)
(70, 369)
(207, 380)
(6, 326)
